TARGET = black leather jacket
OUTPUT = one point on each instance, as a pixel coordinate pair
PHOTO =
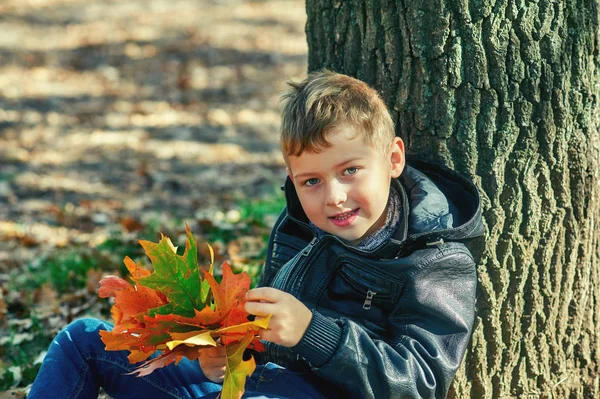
(393, 322)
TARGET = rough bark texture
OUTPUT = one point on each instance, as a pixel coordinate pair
(507, 93)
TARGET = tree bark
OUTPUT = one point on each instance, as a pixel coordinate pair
(505, 92)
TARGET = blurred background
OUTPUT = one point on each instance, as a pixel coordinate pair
(119, 121)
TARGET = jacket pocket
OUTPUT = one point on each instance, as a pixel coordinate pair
(363, 299)
(365, 289)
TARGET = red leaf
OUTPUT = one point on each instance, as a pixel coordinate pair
(230, 294)
(130, 300)
(110, 285)
(167, 358)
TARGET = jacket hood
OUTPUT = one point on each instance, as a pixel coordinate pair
(437, 204)
(442, 203)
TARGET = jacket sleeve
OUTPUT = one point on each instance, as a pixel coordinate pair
(431, 328)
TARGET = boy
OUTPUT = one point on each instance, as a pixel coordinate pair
(385, 290)
(370, 290)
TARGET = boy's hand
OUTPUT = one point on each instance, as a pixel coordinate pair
(212, 362)
(289, 317)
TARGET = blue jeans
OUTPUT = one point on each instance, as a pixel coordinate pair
(76, 366)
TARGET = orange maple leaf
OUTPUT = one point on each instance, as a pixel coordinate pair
(130, 300)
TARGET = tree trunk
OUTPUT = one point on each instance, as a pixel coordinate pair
(505, 92)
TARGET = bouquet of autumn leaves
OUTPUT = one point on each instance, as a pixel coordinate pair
(176, 311)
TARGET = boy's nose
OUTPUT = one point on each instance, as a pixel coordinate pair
(336, 194)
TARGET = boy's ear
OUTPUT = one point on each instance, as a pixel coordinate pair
(397, 158)
(289, 173)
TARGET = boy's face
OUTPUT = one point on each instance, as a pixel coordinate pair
(344, 188)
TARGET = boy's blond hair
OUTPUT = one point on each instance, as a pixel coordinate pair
(326, 100)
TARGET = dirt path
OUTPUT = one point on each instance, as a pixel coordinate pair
(143, 109)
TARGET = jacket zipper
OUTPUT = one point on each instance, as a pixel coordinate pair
(369, 300)
(283, 280)
(300, 267)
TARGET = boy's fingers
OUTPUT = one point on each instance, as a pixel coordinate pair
(221, 351)
(259, 308)
(264, 293)
(213, 352)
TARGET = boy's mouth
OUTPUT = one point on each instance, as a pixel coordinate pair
(344, 219)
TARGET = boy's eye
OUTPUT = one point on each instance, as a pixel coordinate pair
(311, 182)
(350, 171)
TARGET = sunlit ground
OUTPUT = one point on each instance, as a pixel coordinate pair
(112, 109)
(120, 119)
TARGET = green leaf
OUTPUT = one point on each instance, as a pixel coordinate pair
(237, 368)
(175, 276)
(163, 310)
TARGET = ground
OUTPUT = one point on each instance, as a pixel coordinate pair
(117, 118)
